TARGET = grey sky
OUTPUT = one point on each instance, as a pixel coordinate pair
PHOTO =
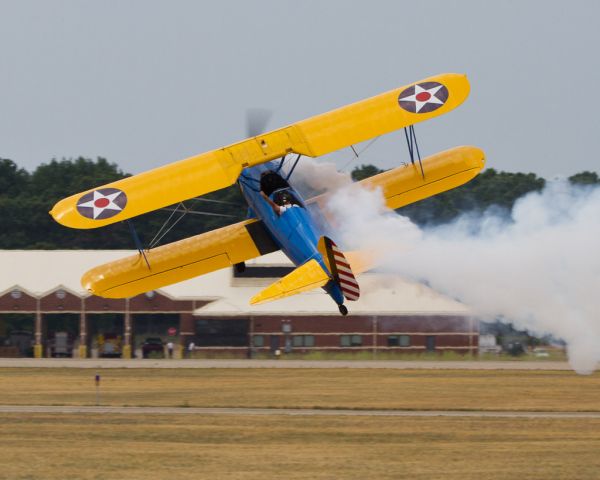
(144, 83)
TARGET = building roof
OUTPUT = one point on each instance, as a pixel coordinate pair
(42, 271)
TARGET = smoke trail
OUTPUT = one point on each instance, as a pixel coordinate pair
(539, 268)
(313, 177)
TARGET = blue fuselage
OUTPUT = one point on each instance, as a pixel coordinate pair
(297, 230)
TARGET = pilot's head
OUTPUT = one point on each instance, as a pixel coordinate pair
(283, 198)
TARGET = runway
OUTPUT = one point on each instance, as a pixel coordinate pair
(61, 410)
(319, 364)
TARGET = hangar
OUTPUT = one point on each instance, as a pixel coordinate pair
(44, 311)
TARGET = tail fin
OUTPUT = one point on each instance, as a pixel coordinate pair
(306, 277)
(339, 268)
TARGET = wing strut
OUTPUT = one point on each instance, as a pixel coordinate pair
(413, 147)
(281, 162)
(292, 169)
(138, 243)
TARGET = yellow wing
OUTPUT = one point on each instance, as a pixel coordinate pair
(404, 185)
(443, 171)
(220, 168)
(180, 260)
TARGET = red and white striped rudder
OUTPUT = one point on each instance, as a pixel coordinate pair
(340, 268)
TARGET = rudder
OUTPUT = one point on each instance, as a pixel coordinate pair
(340, 268)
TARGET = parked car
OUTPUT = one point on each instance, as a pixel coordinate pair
(61, 345)
(153, 345)
(110, 345)
(541, 352)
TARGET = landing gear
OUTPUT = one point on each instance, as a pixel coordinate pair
(343, 310)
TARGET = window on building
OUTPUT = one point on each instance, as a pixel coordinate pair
(258, 341)
(404, 340)
(351, 340)
(222, 333)
(303, 340)
(392, 341)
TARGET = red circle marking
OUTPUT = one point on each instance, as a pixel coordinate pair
(423, 96)
(101, 202)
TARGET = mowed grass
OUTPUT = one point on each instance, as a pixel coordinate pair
(130, 447)
(184, 447)
(306, 388)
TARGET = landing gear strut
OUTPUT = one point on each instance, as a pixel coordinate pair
(343, 309)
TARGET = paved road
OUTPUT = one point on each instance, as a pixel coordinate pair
(286, 411)
(395, 364)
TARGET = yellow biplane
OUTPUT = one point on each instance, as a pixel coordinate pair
(279, 218)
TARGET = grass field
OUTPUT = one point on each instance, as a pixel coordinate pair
(215, 447)
(126, 446)
(323, 388)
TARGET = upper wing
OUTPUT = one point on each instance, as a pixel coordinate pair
(405, 185)
(217, 169)
(180, 260)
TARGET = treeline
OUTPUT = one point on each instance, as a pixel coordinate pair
(26, 198)
(489, 189)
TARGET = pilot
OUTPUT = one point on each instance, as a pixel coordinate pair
(284, 202)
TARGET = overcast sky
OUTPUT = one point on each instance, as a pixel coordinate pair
(144, 83)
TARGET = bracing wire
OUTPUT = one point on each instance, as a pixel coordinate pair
(356, 155)
(160, 234)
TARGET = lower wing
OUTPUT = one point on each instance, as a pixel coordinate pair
(404, 185)
(180, 260)
(443, 171)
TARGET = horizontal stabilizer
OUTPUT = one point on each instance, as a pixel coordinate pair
(304, 278)
(180, 260)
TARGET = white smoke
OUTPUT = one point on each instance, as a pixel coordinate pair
(312, 177)
(538, 269)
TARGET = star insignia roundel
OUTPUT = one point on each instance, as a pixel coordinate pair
(102, 203)
(423, 97)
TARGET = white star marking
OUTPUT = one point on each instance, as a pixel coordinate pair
(97, 210)
(419, 104)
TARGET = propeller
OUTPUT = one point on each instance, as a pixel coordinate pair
(257, 120)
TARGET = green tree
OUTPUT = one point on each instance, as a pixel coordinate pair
(490, 188)
(585, 178)
(59, 179)
(25, 200)
(364, 171)
(13, 180)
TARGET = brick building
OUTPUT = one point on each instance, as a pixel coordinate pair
(40, 295)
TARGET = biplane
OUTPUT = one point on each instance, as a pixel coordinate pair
(278, 217)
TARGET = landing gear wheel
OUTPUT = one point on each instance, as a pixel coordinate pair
(343, 310)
